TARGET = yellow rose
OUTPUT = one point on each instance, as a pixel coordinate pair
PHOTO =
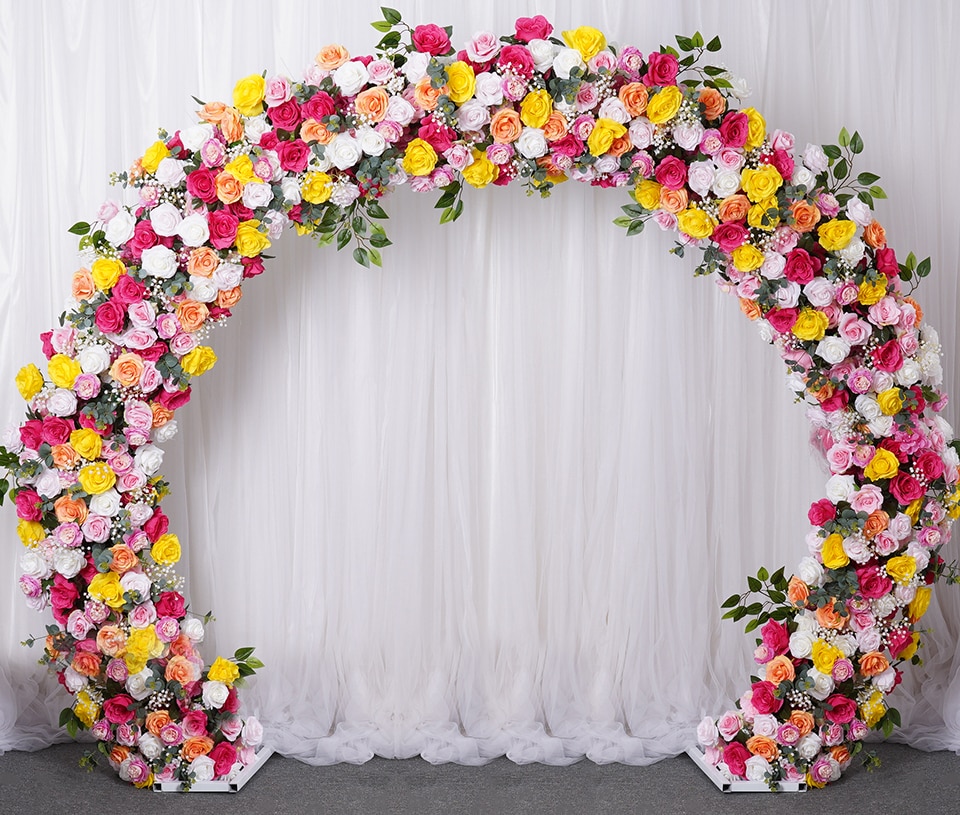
(198, 361)
(29, 381)
(420, 158)
(871, 293)
(142, 643)
(223, 670)
(696, 223)
(836, 234)
(317, 188)
(106, 588)
(250, 241)
(602, 136)
(536, 108)
(919, 604)
(890, 401)
(648, 194)
(166, 550)
(30, 532)
(758, 129)
(86, 442)
(811, 324)
(481, 172)
(902, 568)
(953, 504)
(63, 370)
(96, 478)
(241, 168)
(461, 82)
(156, 153)
(764, 215)
(747, 257)
(824, 655)
(86, 710)
(106, 272)
(913, 510)
(911, 649)
(873, 710)
(884, 464)
(248, 95)
(761, 183)
(832, 552)
(588, 41)
(664, 105)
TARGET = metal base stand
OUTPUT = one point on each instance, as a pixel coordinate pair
(237, 784)
(724, 784)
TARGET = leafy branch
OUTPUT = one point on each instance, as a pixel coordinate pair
(356, 223)
(450, 202)
(8, 461)
(694, 48)
(772, 587)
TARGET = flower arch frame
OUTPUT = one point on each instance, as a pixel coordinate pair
(794, 238)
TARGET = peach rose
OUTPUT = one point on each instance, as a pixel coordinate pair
(69, 510)
(331, 57)
(505, 126)
(805, 216)
(229, 189)
(555, 128)
(231, 125)
(875, 235)
(798, 591)
(111, 640)
(634, 97)
(86, 664)
(426, 95)
(674, 200)
(873, 664)
(823, 393)
(312, 130)
(620, 146)
(180, 669)
(228, 298)
(182, 646)
(713, 103)
(734, 208)
(124, 559)
(372, 103)
(203, 261)
(191, 314)
(156, 721)
(829, 617)
(763, 746)
(196, 746)
(751, 308)
(212, 112)
(161, 414)
(802, 720)
(780, 669)
(82, 286)
(126, 369)
(64, 456)
(876, 522)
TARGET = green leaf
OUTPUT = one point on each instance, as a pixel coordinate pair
(685, 43)
(887, 726)
(447, 215)
(832, 151)
(73, 727)
(391, 40)
(392, 16)
(777, 596)
(877, 192)
(255, 663)
(714, 44)
(697, 40)
(841, 170)
(361, 256)
(867, 199)
(751, 626)
(754, 584)
(343, 238)
(923, 269)
(636, 228)
(777, 578)
(375, 258)
(382, 25)
(844, 137)
(446, 200)
(731, 601)
(713, 70)
(623, 221)
(894, 716)
(242, 654)
(245, 670)
(754, 609)
(911, 261)
(374, 210)
(66, 715)
(867, 179)
(763, 574)
(730, 614)
(79, 228)
(380, 240)
(457, 209)
(856, 143)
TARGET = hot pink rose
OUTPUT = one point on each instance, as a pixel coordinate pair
(734, 129)
(906, 488)
(842, 709)
(763, 699)
(888, 357)
(735, 756)
(317, 106)
(110, 317)
(170, 603)
(202, 184)
(672, 173)
(29, 505)
(294, 155)
(898, 639)
(518, 59)
(431, 39)
(930, 465)
(533, 28)
(821, 512)
(224, 755)
(223, 228)
(874, 583)
(195, 723)
(728, 236)
(782, 319)
(286, 115)
(801, 266)
(661, 69)
(886, 262)
(776, 636)
(117, 709)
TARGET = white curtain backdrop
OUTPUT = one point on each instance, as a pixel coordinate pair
(488, 499)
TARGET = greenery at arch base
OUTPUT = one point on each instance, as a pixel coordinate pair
(790, 233)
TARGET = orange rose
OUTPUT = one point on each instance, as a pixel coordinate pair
(126, 369)
(620, 146)
(212, 112)
(64, 456)
(196, 746)
(111, 640)
(426, 95)
(191, 314)
(157, 720)
(182, 646)
(798, 592)
(634, 97)
(875, 235)
(873, 664)
(180, 669)
(83, 287)
(823, 393)
(332, 56)
(313, 131)
(780, 669)
(916, 307)
(841, 755)
(802, 720)
(876, 522)
(674, 200)
(372, 103)
(231, 125)
(86, 664)
(124, 559)
(505, 126)
(734, 208)
(829, 617)
(119, 754)
(161, 414)
(69, 510)
(751, 308)
(763, 746)
(713, 103)
(228, 298)
(555, 128)
(229, 189)
(203, 261)
(805, 216)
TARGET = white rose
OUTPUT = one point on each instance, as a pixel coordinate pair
(823, 684)
(165, 432)
(291, 191)
(802, 177)
(766, 332)
(606, 164)
(700, 177)
(11, 438)
(867, 406)
(136, 684)
(193, 628)
(641, 133)
(33, 564)
(94, 359)
(344, 193)
(47, 484)
(351, 77)
(399, 110)
(688, 136)
(371, 142)
(473, 114)
(852, 253)
(773, 265)
(840, 488)
(765, 724)
(69, 562)
(73, 681)
(203, 289)
(106, 503)
(344, 151)
(531, 143)
(881, 427)
(801, 644)
(136, 582)
(724, 771)
(150, 746)
(170, 172)
(139, 513)
(193, 230)
(227, 276)
(859, 212)
(819, 292)
(193, 138)
(252, 733)
(810, 571)
(787, 296)
(543, 53)
(566, 60)
(159, 262)
(726, 182)
(814, 159)
(214, 694)
(921, 554)
(796, 381)
(257, 194)
(148, 458)
(869, 640)
(275, 221)
(882, 380)
(415, 68)
(120, 228)
(203, 768)
(62, 402)
(164, 219)
(254, 127)
(884, 606)
(738, 85)
(857, 549)
(612, 108)
(909, 373)
(847, 643)
(886, 681)
(833, 349)
(757, 768)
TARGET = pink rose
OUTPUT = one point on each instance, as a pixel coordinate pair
(29, 505)
(874, 583)
(483, 47)
(729, 725)
(868, 498)
(171, 734)
(194, 723)
(788, 734)
(117, 709)
(662, 70)
(110, 317)
(763, 697)
(518, 59)
(317, 106)
(735, 756)
(96, 528)
(898, 639)
(230, 727)
(734, 129)
(888, 357)
(728, 236)
(294, 156)
(170, 603)
(286, 115)
(202, 184)
(672, 173)
(905, 488)
(776, 636)
(431, 39)
(168, 629)
(821, 512)
(223, 228)
(782, 319)
(533, 28)
(801, 266)
(630, 62)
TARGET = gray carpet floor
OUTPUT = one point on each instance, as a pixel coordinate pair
(50, 781)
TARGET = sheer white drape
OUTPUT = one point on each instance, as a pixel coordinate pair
(486, 500)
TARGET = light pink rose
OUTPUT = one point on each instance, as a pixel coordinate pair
(459, 156)
(142, 314)
(391, 131)
(909, 343)
(729, 158)
(840, 457)
(277, 91)
(483, 47)
(142, 615)
(868, 498)
(231, 727)
(150, 377)
(782, 140)
(707, 733)
(380, 71)
(138, 338)
(96, 528)
(667, 221)
(121, 463)
(78, 626)
(604, 59)
(729, 725)
(587, 97)
(137, 413)
(182, 344)
(853, 329)
(884, 312)
(641, 133)
(167, 325)
(132, 480)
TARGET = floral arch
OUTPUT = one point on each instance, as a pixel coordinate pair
(790, 232)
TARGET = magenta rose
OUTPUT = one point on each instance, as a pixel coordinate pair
(930, 465)
(782, 319)
(57, 430)
(110, 317)
(143, 238)
(518, 58)
(763, 699)
(63, 595)
(294, 155)
(784, 164)
(155, 527)
(46, 340)
(886, 262)
(672, 173)
(252, 266)
(29, 505)
(431, 39)
(232, 705)
(117, 709)
(662, 70)
(734, 129)
(170, 603)
(776, 637)
(906, 488)
(842, 709)
(437, 135)
(728, 236)
(533, 28)
(317, 106)
(888, 357)
(154, 352)
(801, 267)
(224, 756)
(838, 401)
(172, 400)
(821, 512)
(898, 639)
(127, 290)
(735, 756)
(285, 116)
(31, 434)
(202, 184)
(874, 583)
(223, 228)
(195, 723)
(569, 146)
